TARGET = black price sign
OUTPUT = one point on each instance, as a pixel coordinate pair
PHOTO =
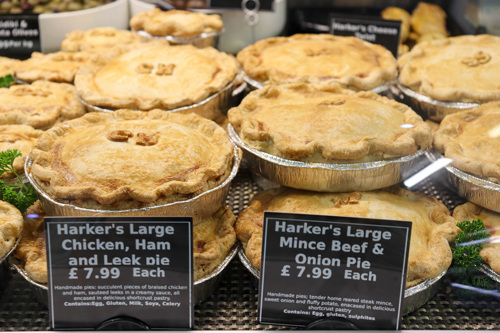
(374, 30)
(248, 5)
(19, 35)
(120, 269)
(333, 268)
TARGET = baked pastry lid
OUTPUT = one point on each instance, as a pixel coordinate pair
(180, 40)
(203, 204)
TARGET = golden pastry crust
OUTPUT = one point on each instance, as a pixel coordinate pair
(177, 23)
(8, 66)
(328, 124)
(11, 225)
(213, 238)
(432, 229)
(429, 22)
(99, 38)
(57, 67)
(130, 159)
(469, 139)
(21, 137)
(40, 104)
(491, 251)
(455, 69)
(156, 75)
(399, 14)
(31, 250)
(319, 58)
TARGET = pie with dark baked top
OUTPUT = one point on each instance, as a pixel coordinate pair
(491, 248)
(131, 159)
(99, 38)
(328, 124)
(471, 138)
(455, 69)
(319, 58)
(11, 225)
(432, 226)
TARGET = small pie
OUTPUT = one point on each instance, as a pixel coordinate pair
(21, 137)
(454, 69)
(471, 138)
(432, 226)
(327, 124)
(319, 58)
(131, 159)
(491, 250)
(11, 225)
(156, 75)
(99, 38)
(176, 23)
(8, 66)
(428, 22)
(40, 104)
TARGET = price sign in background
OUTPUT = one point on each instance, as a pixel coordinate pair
(102, 268)
(329, 267)
(19, 35)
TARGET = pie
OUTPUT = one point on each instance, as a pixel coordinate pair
(491, 250)
(99, 38)
(176, 23)
(319, 58)
(156, 75)
(21, 137)
(40, 104)
(432, 226)
(471, 138)
(8, 66)
(327, 124)
(428, 22)
(11, 225)
(454, 69)
(131, 159)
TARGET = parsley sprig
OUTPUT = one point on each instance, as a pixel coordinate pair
(5, 81)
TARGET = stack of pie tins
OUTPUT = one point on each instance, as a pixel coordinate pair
(445, 76)
(131, 163)
(146, 76)
(179, 27)
(11, 224)
(324, 138)
(430, 253)
(319, 59)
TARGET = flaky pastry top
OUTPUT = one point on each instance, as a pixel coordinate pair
(328, 124)
(319, 58)
(11, 225)
(131, 159)
(98, 38)
(455, 69)
(8, 66)
(432, 225)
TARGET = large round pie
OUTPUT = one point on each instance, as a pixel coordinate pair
(319, 58)
(327, 124)
(471, 139)
(455, 69)
(99, 38)
(131, 159)
(432, 226)
(11, 225)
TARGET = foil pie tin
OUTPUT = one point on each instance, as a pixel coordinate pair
(211, 107)
(414, 298)
(486, 270)
(204, 204)
(327, 177)
(202, 289)
(425, 106)
(479, 191)
(201, 41)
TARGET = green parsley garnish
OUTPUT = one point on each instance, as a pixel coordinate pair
(6, 80)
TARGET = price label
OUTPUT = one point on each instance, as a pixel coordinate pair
(19, 35)
(332, 268)
(103, 269)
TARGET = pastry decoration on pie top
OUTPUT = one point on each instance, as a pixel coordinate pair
(131, 159)
(8, 66)
(319, 58)
(176, 23)
(40, 104)
(156, 75)
(328, 124)
(99, 38)
(491, 220)
(471, 138)
(432, 226)
(11, 225)
(454, 69)
(21, 137)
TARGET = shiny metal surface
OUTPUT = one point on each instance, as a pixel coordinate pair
(479, 191)
(426, 106)
(204, 204)
(484, 268)
(327, 177)
(6, 255)
(205, 39)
